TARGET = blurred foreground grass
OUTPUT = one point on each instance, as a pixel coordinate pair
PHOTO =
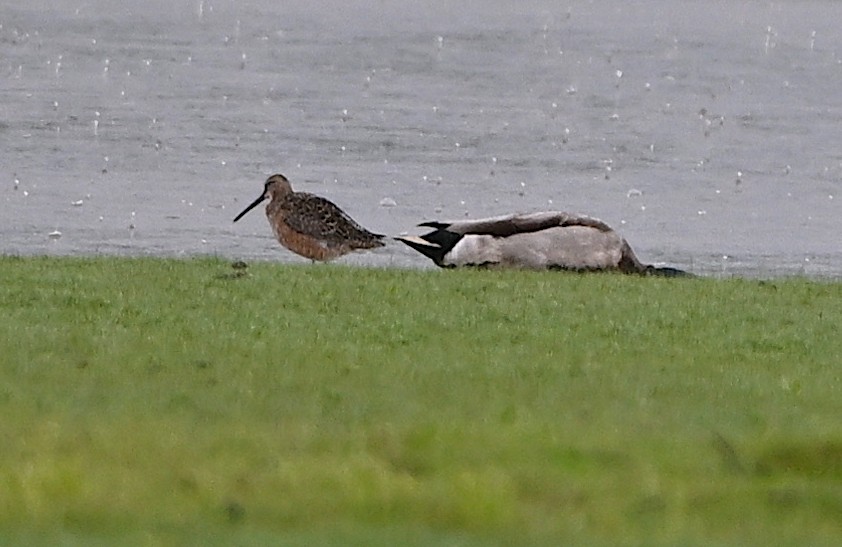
(149, 401)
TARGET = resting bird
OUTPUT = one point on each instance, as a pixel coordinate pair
(309, 225)
(537, 241)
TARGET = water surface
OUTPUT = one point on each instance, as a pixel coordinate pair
(707, 133)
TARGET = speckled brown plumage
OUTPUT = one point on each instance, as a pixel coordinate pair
(310, 225)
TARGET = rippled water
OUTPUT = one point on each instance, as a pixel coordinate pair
(708, 133)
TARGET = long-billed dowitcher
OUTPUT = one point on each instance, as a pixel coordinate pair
(309, 225)
(548, 240)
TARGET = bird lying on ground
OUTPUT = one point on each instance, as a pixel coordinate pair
(547, 240)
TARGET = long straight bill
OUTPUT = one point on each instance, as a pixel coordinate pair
(254, 204)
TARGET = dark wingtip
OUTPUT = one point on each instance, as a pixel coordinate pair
(434, 224)
(377, 239)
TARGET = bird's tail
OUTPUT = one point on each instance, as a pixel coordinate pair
(432, 251)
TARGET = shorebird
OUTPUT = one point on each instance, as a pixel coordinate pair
(536, 241)
(309, 225)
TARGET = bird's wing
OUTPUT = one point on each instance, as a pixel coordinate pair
(507, 225)
(319, 217)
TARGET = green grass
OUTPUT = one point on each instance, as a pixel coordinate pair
(147, 401)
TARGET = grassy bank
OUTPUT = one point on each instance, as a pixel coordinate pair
(161, 401)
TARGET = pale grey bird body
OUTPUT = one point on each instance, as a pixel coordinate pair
(537, 241)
